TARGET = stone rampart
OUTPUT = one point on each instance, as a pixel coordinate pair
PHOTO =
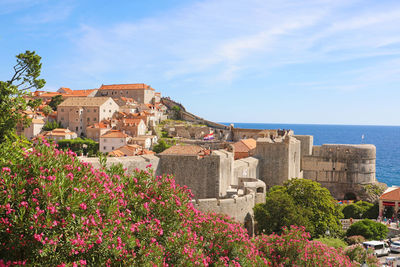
(343, 169)
(207, 176)
(245, 168)
(129, 163)
(239, 208)
(279, 160)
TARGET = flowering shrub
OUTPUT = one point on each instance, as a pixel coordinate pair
(358, 253)
(293, 248)
(57, 211)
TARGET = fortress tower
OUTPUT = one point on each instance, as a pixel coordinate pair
(279, 159)
(343, 169)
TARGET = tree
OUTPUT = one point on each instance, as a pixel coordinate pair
(47, 110)
(55, 101)
(368, 229)
(49, 126)
(278, 211)
(302, 202)
(360, 209)
(161, 146)
(14, 91)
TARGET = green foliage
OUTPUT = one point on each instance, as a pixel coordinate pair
(13, 91)
(55, 101)
(358, 210)
(51, 126)
(358, 254)
(278, 211)
(332, 242)
(47, 110)
(372, 212)
(369, 229)
(309, 205)
(80, 145)
(374, 190)
(164, 134)
(161, 146)
(177, 112)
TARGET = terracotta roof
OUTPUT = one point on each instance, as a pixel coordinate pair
(132, 121)
(391, 195)
(245, 145)
(100, 125)
(66, 89)
(133, 86)
(183, 150)
(38, 121)
(59, 132)
(127, 150)
(84, 101)
(114, 134)
(49, 94)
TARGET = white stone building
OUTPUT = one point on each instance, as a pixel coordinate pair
(77, 113)
(112, 140)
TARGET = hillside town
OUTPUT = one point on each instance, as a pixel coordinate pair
(121, 118)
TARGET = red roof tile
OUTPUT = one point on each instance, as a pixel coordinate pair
(133, 86)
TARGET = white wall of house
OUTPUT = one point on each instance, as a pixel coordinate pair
(112, 143)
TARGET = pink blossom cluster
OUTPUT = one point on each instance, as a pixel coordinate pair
(56, 210)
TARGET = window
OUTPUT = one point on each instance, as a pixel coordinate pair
(122, 140)
(112, 148)
(88, 110)
(77, 112)
(76, 120)
(110, 110)
(70, 109)
(104, 147)
(105, 140)
(104, 110)
(76, 128)
(62, 118)
(62, 110)
(94, 119)
(88, 119)
(94, 110)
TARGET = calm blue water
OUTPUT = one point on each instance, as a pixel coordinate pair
(385, 138)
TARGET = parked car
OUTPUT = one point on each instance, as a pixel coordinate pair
(395, 246)
(380, 248)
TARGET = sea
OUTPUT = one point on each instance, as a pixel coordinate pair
(385, 138)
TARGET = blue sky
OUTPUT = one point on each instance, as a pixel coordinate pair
(317, 61)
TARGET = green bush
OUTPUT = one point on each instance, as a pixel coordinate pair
(361, 210)
(80, 145)
(161, 146)
(370, 230)
(332, 242)
(49, 126)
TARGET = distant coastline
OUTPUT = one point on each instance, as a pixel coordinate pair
(385, 138)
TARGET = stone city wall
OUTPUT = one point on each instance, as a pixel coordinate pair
(244, 168)
(129, 163)
(207, 176)
(279, 161)
(343, 169)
